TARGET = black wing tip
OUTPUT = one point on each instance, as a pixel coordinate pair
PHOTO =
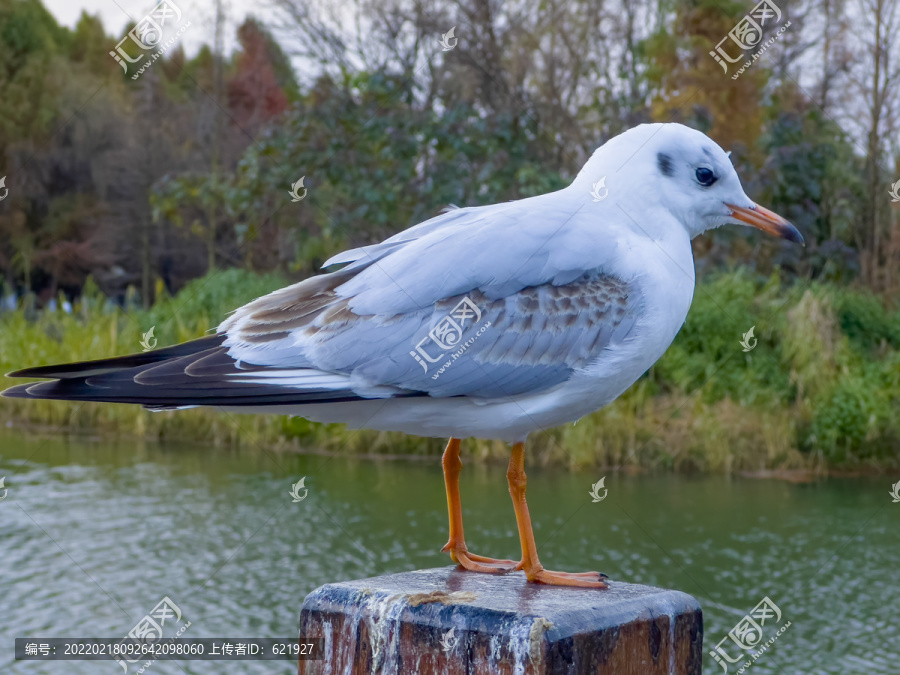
(62, 371)
(19, 391)
(34, 371)
(79, 369)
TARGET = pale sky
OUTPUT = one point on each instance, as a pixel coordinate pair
(115, 15)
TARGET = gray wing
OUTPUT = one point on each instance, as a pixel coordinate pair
(469, 344)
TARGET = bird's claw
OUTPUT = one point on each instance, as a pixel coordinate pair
(478, 563)
(579, 579)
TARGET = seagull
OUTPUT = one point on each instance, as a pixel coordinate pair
(489, 322)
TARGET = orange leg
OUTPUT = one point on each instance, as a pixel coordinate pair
(457, 543)
(534, 571)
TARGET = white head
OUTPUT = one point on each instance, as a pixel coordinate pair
(683, 171)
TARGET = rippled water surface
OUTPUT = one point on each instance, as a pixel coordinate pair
(94, 534)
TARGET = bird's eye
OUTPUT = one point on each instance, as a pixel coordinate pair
(705, 176)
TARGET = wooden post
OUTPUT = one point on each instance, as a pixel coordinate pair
(447, 621)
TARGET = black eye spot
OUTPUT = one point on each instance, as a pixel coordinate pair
(664, 162)
(705, 176)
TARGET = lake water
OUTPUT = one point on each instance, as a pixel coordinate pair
(95, 534)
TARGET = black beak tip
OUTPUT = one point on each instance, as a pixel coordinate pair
(791, 233)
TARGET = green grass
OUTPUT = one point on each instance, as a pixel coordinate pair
(821, 389)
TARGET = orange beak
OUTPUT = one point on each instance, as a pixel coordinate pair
(767, 221)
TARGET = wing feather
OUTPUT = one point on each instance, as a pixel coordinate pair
(432, 311)
(523, 343)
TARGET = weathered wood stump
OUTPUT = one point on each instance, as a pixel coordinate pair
(450, 622)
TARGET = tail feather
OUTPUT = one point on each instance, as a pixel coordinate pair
(195, 373)
(170, 399)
